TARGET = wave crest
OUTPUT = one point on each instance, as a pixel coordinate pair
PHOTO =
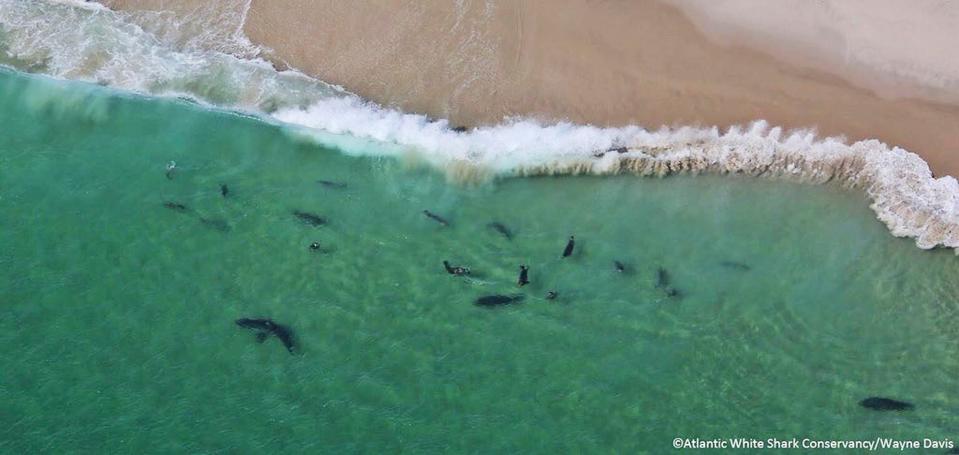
(206, 58)
(905, 195)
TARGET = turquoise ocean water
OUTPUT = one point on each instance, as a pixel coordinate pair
(118, 326)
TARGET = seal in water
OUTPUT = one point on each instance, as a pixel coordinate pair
(309, 218)
(523, 275)
(176, 206)
(498, 300)
(224, 190)
(569, 247)
(551, 295)
(457, 270)
(436, 218)
(620, 267)
(170, 168)
(315, 246)
(662, 282)
(502, 229)
(885, 404)
(266, 327)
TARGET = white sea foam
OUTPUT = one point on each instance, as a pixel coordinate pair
(81, 4)
(130, 52)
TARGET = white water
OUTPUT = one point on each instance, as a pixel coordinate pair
(206, 58)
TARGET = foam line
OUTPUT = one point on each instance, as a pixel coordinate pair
(219, 67)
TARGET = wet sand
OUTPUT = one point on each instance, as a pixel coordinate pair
(602, 63)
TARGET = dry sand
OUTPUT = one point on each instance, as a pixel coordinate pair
(897, 48)
(590, 61)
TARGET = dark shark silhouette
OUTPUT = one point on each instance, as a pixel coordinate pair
(266, 327)
(498, 300)
(436, 218)
(502, 229)
(309, 218)
(568, 251)
(885, 404)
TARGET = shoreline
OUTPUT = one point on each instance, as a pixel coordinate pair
(643, 63)
(904, 194)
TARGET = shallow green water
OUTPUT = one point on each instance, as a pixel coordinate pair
(118, 332)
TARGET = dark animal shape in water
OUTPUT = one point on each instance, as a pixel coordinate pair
(265, 328)
(436, 218)
(523, 275)
(502, 229)
(885, 404)
(551, 295)
(736, 266)
(216, 223)
(568, 251)
(662, 282)
(317, 248)
(256, 324)
(459, 129)
(309, 218)
(620, 267)
(332, 184)
(456, 270)
(620, 150)
(224, 190)
(498, 300)
(176, 206)
(170, 169)
(662, 278)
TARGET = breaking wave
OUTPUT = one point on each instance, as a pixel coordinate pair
(204, 55)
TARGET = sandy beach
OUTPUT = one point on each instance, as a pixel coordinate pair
(614, 63)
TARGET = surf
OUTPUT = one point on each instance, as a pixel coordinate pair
(206, 58)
